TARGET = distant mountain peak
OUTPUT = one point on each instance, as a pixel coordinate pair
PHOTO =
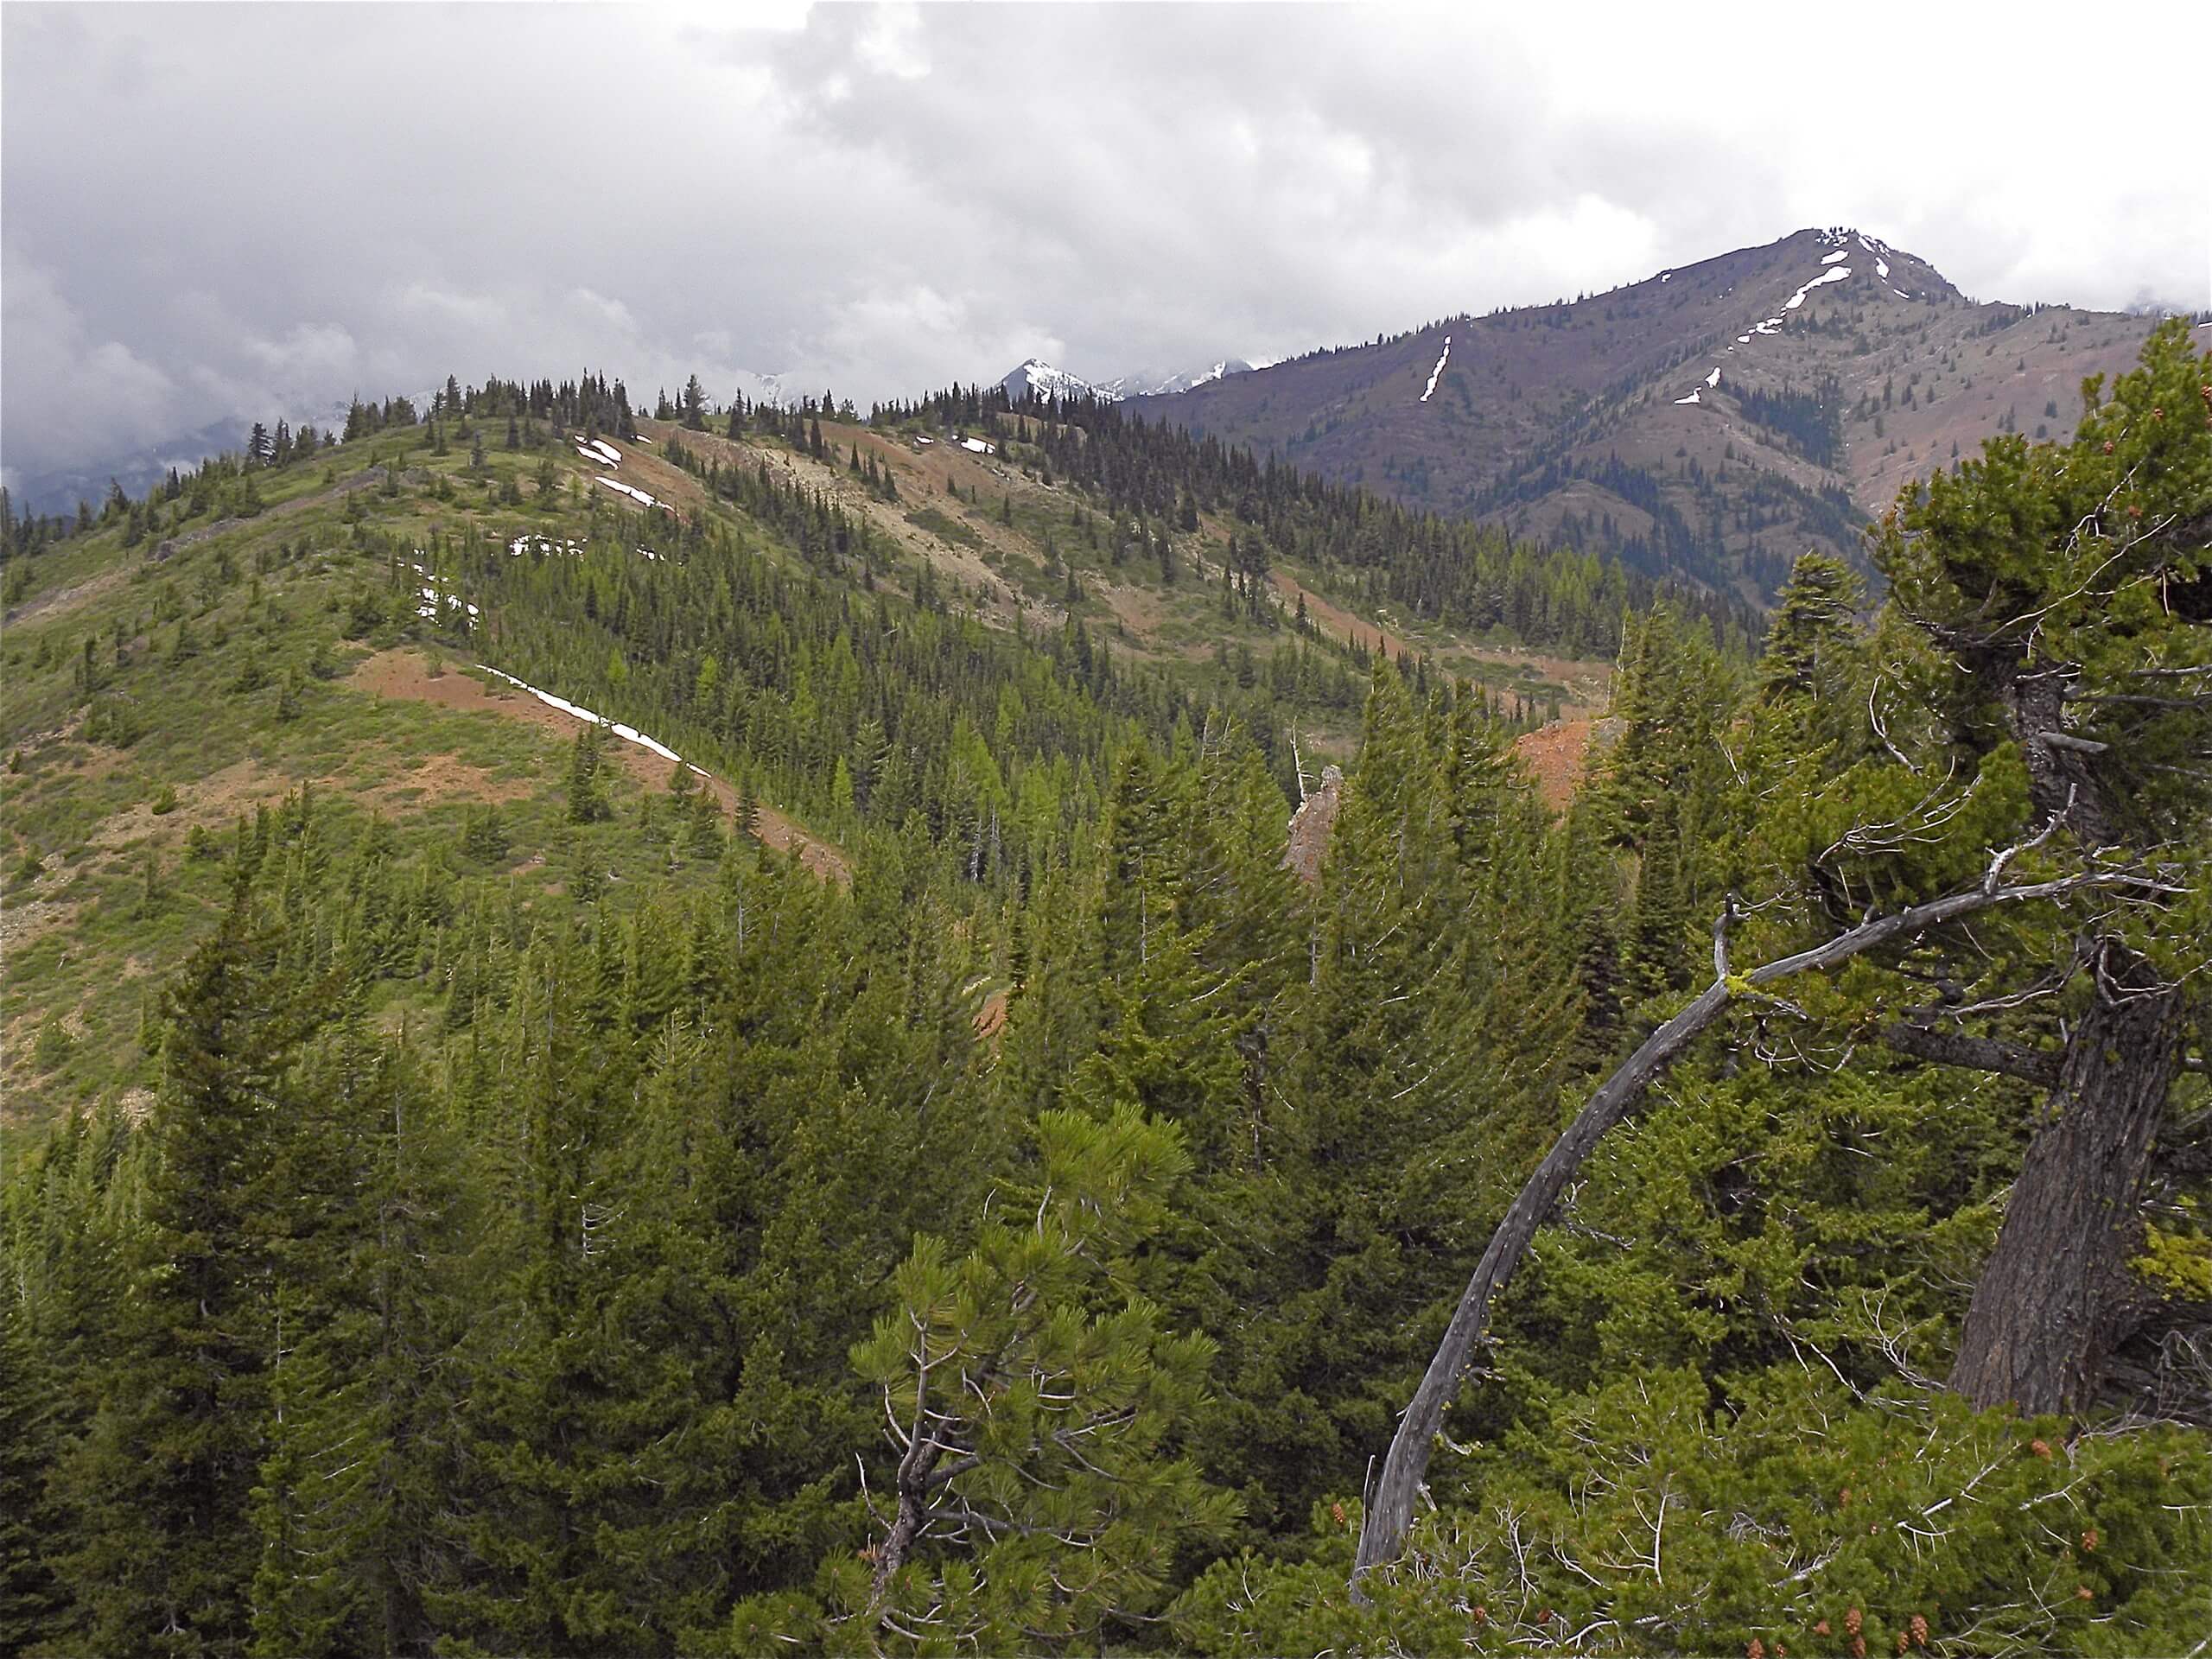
(1149, 383)
(1036, 379)
(1709, 421)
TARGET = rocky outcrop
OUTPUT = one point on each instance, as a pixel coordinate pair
(1310, 827)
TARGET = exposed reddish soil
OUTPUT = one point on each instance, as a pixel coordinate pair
(404, 674)
(1557, 757)
(1334, 618)
(643, 469)
(990, 1019)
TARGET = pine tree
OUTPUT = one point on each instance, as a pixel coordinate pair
(587, 803)
(1051, 1474)
(162, 1558)
(1814, 623)
(31, 1604)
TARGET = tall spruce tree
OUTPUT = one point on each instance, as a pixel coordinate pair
(160, 1487)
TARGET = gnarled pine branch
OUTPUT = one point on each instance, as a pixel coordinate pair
(1389, 1507)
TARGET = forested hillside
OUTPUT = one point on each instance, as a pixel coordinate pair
(925, 653)
(919, 1173)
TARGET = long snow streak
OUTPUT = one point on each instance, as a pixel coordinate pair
(637, 495)
(1833, 273)
(627, 733)
(1437, 373)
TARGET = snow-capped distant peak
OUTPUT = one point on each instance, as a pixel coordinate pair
(1151, 383)
(1037, 379)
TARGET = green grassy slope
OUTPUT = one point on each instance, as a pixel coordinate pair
(156, 694)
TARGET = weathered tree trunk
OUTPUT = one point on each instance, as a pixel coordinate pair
(2056, 1297)
(1389, 1503)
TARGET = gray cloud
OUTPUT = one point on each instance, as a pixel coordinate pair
(239, 212)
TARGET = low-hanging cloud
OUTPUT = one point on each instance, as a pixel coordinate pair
(212, 212)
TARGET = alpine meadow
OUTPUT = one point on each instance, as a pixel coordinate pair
(1541, 984)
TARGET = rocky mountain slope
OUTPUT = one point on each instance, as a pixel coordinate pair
(1713, 421)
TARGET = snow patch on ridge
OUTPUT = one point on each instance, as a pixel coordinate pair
(1833, 274)
(436, 600)
(637, 495)
(627, 733)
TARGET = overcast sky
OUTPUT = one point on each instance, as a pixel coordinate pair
(214, 212)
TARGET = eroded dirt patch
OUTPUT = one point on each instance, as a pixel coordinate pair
(67, 599)
(1559, 756)
(404, 674)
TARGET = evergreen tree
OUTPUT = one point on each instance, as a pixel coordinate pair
(31, 1605)
(160, 1559)
(1033, 1414)
(587, 803)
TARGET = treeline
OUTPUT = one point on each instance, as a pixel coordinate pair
(589, 404)
(221, 483)
(1448, 570)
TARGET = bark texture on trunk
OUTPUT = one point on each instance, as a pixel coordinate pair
(2056, 1297)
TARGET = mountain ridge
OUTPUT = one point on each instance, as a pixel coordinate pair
(1845, 365)
(1034, 380)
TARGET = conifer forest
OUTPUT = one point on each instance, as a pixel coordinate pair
(969, 1029)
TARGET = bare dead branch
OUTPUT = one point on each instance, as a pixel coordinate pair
(1973, 1053)
(1389, 1513)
